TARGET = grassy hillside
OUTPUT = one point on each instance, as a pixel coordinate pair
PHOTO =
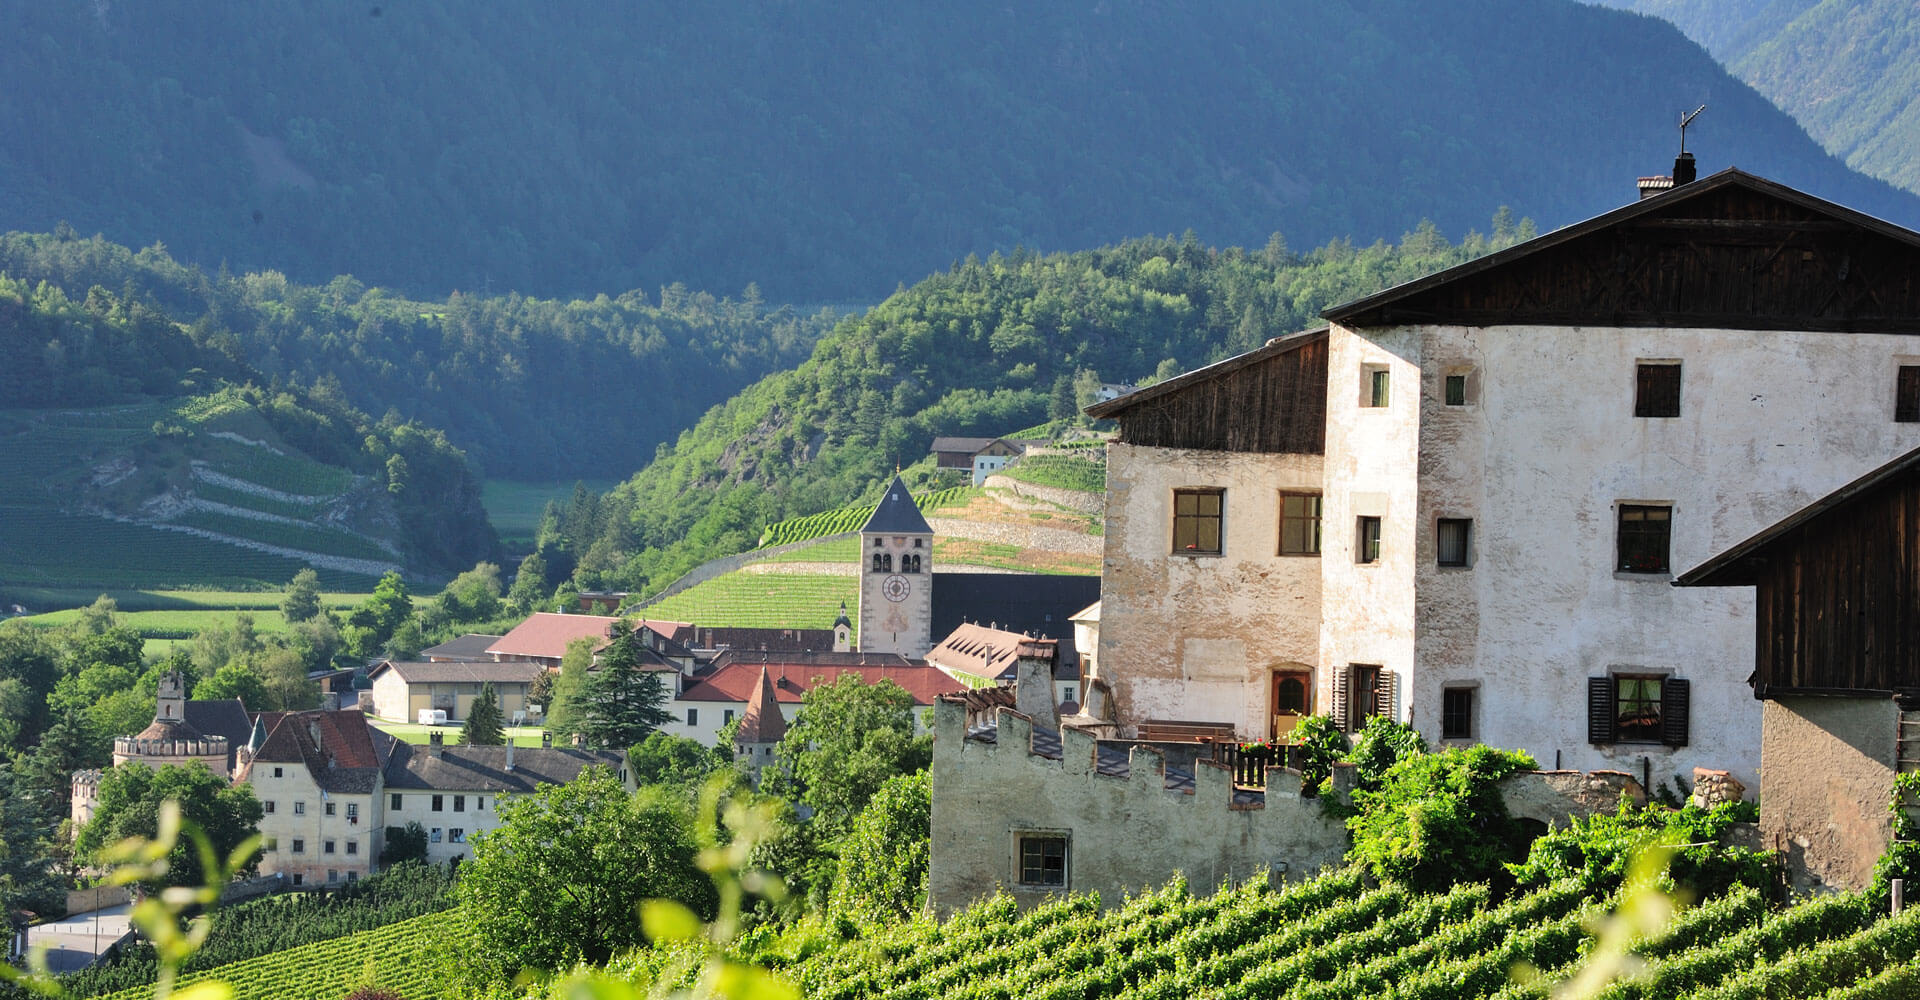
(870, 144)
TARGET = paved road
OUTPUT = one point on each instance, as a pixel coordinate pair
(73, 942)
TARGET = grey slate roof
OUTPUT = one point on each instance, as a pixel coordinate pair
(484, 769)
(222, 718)
(466, 647)
(475, 671)
(897, 514)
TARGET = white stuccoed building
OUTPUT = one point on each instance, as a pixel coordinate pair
(1516, 455)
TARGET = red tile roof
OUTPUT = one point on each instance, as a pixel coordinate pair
(547, 635)
(763, 722)
(735, 681)
(336, 747)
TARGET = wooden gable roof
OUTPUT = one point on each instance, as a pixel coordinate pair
(1730, 251)
(1272, 399)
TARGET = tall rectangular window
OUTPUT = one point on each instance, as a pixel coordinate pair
(1906, 395)
(1636, 709)
(1043, 860)
(1375, 387)
(1456, 714)
(459, 803)
(1196, 520)
(1452, 539)
(1299, 524)
(1645, 533)
(1368, 693)
(1367, 544)
(1657, 389)
(393, 801)
(1455, 389)
(693, 716)
(438, 803)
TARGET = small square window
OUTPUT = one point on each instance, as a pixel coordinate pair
(299, 808)
(1367, 544)
(1196, 521)
(457, 835)
(333, 875)
(326, 847)
(353, 847)
(1043, 860)
(353, 876)
(1456, 714)
(1906, 395)
(299, 879)
(1453, 538)
(1646, 531)
(1454, 388)
(277, 772)
(1299, 524)
(267, 807)
(433, 835)
(329, 808)
(1657, 389)
(299, 847)
(393, 801)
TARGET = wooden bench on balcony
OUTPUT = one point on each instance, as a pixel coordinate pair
(1173, 731)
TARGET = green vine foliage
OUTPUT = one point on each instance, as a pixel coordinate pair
(1318, 743)
(1902, 858)
(1380, 745)
(1438, 819)
(1598, 851)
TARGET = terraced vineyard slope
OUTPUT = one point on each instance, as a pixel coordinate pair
(1333, 938)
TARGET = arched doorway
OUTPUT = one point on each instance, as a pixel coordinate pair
(1289, 696)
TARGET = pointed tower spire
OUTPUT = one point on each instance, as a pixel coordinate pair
(896, 513)
(763, 722)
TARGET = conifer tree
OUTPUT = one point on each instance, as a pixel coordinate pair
(622, 703)
(482, 728)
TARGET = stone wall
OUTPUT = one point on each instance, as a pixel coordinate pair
(1133, 814)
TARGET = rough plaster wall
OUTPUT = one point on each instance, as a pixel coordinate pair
(1370, 463)
(314, 827)
(1827, 767)
(1194, 637)
(1769, 422)
(1124, 833)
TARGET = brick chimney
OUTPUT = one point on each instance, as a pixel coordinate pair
(436, 743)
(509, 753)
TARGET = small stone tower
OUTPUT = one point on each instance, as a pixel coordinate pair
(760, 729)
(171, 739)
(896, 577)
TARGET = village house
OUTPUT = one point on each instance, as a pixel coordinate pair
(455, 792)
(1836, 664)
(461, 649)
(317, 776)
(1460, 505)
(719, 695)
(403, 690)
(983, 656)
(544, 637)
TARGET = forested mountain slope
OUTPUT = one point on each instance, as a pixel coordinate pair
(985, 348)
(831, 150)
(530, 388)
(1848, 70)
(134, 454)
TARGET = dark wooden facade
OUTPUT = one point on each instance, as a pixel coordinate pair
(1269, 400)
(1837, 590)
(1731, 251)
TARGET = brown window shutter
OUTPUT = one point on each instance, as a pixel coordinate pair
(1342, 694)
(1383, 693)
(1674, 698)
(1600, 710)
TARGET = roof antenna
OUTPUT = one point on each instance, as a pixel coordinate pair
(1683, 167)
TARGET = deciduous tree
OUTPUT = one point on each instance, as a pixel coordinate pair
(847, 740)
(129, 806)
(303, 596)
(559, 880)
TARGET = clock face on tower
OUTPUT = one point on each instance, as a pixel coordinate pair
(896, 588)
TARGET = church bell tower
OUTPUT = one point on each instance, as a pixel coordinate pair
(896, 577)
